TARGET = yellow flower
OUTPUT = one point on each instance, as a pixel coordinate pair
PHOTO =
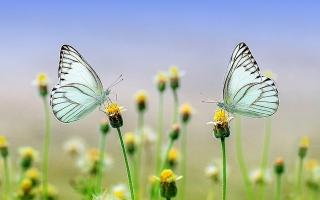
(93, 154)
(33, 174)
(28, 153)
(141, 100)
(167, 176)
(186, 112)
(130, 140)
(42, 80)
(279, 166)
(120, 192)
(113, 111)
(305, 142)
(311, 164)
(174, 74)
(220, 123)
(221, 116)
(161, 81)
(42, 83)
(141, 96)
(3, 146)
(168, 188)
(52, 192)
(303, 147)
(3, 142)
(173, 156)
(26, 185)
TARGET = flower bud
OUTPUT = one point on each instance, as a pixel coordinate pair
(212, 172)
(3, 147)
(175, 132)
(221, 121)
(161, 81)
(279, 166)
(27, 157)
(42, 83)
(130, 142)
(168, 187)
(173, 157)
(174, 73)
(141, 100)
(303, 147)
(113, 111)
(185, 112)
(104, 127)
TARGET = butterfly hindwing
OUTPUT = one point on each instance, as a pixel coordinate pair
(246, 91)
(72, 101)
(79, 90)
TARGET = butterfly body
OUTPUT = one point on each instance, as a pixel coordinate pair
(246, 91)
(79, 90)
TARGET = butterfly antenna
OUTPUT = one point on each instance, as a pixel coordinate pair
(117, 81)
(207, 99)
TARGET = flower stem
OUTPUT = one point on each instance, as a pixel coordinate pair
(100, 176)
(242, 164)
(265, 155)
(278, 192)
(139, 154)
(127, 164)
(165, 160)
(46, 145)
(159, 133)
(176, 106)
(7, 177)
(300, 174)
(184, 159)
(224, 178)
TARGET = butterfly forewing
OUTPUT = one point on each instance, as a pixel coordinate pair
(79, 90)
(245, 90)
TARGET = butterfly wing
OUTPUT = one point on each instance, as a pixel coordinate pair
(245, 90)
(79, 90)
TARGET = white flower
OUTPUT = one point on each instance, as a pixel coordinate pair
(75, 147)
(258, 177)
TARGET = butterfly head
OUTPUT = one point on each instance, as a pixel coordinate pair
(107, 92)
(221, 105)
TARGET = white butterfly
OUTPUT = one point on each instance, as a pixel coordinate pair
(79, 90)
(245, 90)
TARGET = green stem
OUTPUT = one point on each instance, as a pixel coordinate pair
(165, 160)
(139, 154)
(176, 106)
(224, 179)
(242, 165)
(100, 176)
(7, 177)
(184, 160)
(265, 155)
(159, 133)
(46, 145)
(299, 178)
(278, 192)
(210, 195)
(127, 164)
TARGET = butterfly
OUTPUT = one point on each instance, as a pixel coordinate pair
(246, 91)
(79, 89)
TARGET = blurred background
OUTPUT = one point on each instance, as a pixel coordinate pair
(140, 38)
